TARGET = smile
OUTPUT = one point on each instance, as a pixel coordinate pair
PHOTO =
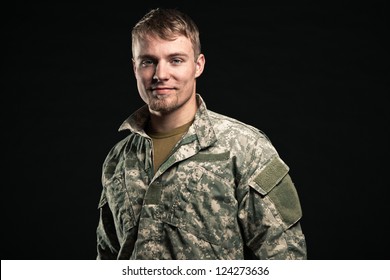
(162, 90)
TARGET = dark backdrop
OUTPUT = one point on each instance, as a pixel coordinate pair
(313, 77)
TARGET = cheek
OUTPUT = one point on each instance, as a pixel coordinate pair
(186, 75)
(144, 74)
(142, 81)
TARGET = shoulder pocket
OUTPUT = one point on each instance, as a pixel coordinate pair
(275, 182)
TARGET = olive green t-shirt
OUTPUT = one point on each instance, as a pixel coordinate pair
(163, 143)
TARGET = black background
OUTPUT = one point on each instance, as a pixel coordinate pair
(313, 77)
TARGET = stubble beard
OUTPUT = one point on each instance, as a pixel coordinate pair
(164, 104)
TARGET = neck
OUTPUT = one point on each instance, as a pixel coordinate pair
(165, 122)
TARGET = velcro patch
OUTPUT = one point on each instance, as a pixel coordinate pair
(275, 181)
(270, 176)
(153, 194)
(286, 200)
(211, 157)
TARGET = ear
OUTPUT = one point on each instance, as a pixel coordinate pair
(200, 62)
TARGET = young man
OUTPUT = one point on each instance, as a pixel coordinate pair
(188, 183)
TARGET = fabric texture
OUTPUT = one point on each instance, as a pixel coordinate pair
(223, 193)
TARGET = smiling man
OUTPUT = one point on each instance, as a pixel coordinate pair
(189, 183)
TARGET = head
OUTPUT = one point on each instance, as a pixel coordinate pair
(167, 24)
(167, 59)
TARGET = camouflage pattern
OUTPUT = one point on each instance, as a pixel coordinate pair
(223, 192)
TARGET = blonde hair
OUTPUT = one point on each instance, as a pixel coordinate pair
(167, 24)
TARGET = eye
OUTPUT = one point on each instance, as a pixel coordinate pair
(177, 60)
(146, 62)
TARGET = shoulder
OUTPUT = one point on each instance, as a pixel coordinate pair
(118, 148)
(244, 141)
(114, 156)
(225, 125)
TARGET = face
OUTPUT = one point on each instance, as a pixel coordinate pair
(166, 73)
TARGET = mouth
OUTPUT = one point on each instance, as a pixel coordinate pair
(162, 90)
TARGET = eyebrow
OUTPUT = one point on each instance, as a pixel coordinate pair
(149, 56)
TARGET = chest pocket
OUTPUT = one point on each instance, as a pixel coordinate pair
(119, 203)
(206, 206)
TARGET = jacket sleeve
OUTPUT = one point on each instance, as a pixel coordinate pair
(107, 240)
(270, 213)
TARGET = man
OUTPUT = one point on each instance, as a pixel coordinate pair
(188, 183)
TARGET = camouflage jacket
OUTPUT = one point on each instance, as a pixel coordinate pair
(223, 193)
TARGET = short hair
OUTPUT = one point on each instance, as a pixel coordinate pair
(167, 24)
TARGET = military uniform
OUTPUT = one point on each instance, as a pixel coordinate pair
(223, 192)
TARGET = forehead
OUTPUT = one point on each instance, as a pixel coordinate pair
(154, 45)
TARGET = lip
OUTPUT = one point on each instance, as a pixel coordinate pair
(162, 90)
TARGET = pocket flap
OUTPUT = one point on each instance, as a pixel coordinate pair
(270, 176)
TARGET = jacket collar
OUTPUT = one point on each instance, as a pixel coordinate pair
(201, 127)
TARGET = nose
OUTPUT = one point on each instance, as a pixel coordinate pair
(161, 72)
